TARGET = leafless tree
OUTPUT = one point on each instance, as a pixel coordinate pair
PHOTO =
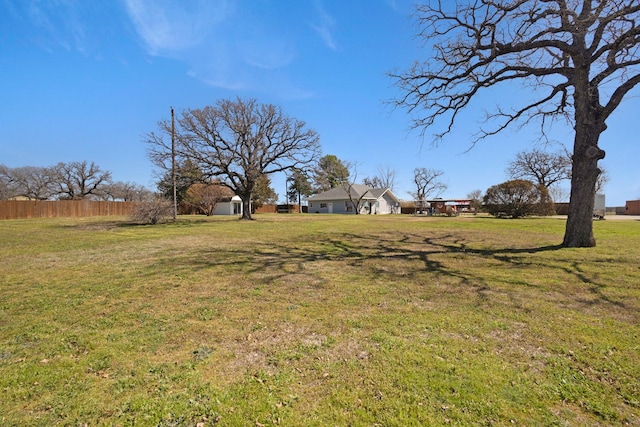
(540, 167)
(6, 183)
(79, 180)
(602, 180)
(237, 142)
(127, 192)
(475, 200)
(35, 182)
(428, 184)
(31, 182)
(558, 194)
(384, 178)
(579, 57)
(373, 182)
(75, 180)
(207, 196)
(354, 192)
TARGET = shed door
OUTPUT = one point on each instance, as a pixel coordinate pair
(330, 207)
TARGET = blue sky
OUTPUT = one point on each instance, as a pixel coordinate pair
(85, 80)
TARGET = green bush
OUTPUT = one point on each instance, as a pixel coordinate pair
(517, 198)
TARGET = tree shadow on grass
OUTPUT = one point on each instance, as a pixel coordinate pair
(407, 257)
(512, 258)
(100, 224)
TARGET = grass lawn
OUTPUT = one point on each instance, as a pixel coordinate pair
(318, 320)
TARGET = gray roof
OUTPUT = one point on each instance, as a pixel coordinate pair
(379, 192)
(357, 191)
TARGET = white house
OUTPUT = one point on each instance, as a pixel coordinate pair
(374, 201)
(229, 206)
(204, 196)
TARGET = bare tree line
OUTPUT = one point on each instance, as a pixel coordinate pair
(66, 181)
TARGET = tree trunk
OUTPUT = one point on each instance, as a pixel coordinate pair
(589, 124)
(579, 229)
(584, 174)
(246, 206)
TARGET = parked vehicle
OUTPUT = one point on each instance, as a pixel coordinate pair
(599, 208)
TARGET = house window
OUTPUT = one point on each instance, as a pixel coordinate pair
(310, 204)
(323, 205)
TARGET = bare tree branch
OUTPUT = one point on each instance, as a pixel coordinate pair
(543, 168)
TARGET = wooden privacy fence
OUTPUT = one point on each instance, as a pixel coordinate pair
(18, 209)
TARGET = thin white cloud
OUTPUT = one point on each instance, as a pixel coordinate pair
(173, 26)
(266, 54)
(231, 44)
(392, 4)
(225, 43)
(58, 23)
(326, 26)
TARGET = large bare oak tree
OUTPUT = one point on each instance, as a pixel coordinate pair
(237, 142)
(580, 58)
(79, 180)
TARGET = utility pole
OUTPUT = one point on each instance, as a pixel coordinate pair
(286, 190)
(173, 165)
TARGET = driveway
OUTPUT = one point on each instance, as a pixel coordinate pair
(623, 217)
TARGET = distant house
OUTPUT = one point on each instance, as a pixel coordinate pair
(229, 206)
(228, 202)
(202, 198)
(374, 201)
